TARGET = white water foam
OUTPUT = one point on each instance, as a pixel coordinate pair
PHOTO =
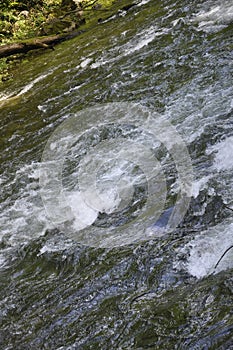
(223, 154)
(84, 215)
(215, 18)
(55, 245)
(24, 218)
(195, 106)
(199, 185)
(222, 166)
(140, 40)
(206, 249)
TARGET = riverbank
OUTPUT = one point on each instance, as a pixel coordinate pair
(27, 26)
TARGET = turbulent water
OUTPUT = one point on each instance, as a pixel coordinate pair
(116, 185)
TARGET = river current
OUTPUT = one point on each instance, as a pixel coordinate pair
(116, 209)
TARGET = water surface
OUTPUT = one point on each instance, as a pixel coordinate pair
(163, 292)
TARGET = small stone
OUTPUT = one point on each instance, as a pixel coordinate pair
(24, 13)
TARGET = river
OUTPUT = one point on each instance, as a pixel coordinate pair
(116, 185)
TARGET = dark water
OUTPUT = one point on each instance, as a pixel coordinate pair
(95, 279)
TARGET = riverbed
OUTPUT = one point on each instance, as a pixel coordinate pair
(116, 185)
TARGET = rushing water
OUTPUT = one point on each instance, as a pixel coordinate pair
(76, 270)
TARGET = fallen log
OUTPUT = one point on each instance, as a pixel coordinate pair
(35, 44)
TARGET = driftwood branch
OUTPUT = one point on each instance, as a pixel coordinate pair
(222, 256)
(33, 44)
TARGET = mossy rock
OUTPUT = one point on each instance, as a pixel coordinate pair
(57, 26)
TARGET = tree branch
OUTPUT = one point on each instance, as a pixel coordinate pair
(33, 44)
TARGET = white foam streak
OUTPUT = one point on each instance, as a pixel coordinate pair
(143, 2)
(27, 87)
(33, 82)
(85, 62)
